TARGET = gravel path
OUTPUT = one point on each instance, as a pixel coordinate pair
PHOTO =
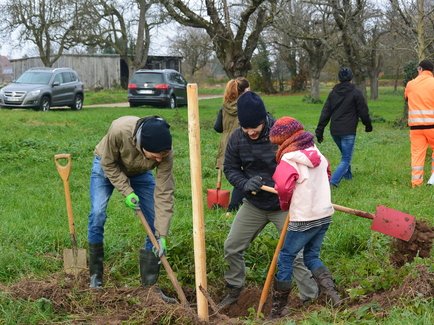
(126, 104)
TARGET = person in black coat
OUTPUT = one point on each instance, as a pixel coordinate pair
(344, 106)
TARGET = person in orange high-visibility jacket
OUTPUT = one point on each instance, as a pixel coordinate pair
(419, 93)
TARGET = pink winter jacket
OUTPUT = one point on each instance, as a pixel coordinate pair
(302, 182)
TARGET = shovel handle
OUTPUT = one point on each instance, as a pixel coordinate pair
(163, 258)
(341, 208)
(272, 267)
(64, 172)
(355, 212)
(219, 179)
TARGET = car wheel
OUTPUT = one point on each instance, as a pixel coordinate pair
(78, 102)
(172, 102)
(134, 105)
(45, 104)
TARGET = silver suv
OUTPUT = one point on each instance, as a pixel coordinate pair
(43, 88)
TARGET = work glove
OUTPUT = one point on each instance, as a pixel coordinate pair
(132, 200)
(163, 247)
(368, 128)
(253, 184)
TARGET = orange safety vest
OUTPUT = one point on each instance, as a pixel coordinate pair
(420, 95)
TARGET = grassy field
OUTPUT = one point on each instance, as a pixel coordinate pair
(34, 228)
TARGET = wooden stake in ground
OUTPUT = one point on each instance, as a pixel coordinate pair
(197, 202)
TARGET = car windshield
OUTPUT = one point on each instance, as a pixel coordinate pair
(35, 77)
(148, 78)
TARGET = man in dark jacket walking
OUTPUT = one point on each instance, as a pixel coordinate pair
(250, 161)
(344, 106)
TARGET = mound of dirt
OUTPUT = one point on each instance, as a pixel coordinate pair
(118, 305)
(420, 244)
(419, 284)
(69, 295)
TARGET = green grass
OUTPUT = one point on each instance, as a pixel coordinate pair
(34, 228)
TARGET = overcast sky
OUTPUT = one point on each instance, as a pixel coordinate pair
(159, 44)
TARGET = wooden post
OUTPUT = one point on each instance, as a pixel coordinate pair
(197, 201)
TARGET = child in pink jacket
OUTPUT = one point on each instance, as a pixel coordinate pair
(302, 182)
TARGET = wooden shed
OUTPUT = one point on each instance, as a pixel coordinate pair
(97, 70)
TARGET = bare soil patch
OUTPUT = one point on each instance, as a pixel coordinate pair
(71, 296)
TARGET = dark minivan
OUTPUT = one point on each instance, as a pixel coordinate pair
(166, 88)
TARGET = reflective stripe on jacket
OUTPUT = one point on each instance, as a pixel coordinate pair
(420, 95)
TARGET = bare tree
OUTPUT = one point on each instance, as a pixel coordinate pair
(261, 75)
(114, 24)
(357, 21)
(233, 26)
(194, 46)
(414, 20)
(49, 24)
(311, 28)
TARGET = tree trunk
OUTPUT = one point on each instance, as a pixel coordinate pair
(314, 91)
(374, 87)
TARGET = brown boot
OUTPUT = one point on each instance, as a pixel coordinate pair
(280, 298)
(326, 284)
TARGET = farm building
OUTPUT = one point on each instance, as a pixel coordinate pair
(5, 70)
(99, 70)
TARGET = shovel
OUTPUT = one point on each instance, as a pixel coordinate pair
(218, 198)
(74, 260)
(385, 220)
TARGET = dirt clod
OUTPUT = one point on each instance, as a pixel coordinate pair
(419, 244)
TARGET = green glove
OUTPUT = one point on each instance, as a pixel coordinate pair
(163, 247)
(132, 200)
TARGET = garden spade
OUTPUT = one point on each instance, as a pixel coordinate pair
(218, 198)
(385, 220)
(74, 260)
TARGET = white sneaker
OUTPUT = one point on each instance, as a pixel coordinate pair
(431, 180)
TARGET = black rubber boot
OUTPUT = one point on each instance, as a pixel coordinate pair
(149, 272)
(96, 268)
(232, 295)
(149, 267)
(326, 284)
(280, 298)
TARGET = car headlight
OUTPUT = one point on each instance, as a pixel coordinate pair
(33, 93)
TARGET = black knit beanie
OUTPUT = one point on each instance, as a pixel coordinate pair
(345, 74)
(155, 135)
(426, 65)
(251, 110)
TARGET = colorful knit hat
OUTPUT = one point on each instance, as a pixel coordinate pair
(290, 135)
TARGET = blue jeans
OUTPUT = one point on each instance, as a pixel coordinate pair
(101, 190)
(345, 144)
(311, 240)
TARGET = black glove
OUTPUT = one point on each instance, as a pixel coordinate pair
(253, 184)
(368, 128)
(319, 137)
